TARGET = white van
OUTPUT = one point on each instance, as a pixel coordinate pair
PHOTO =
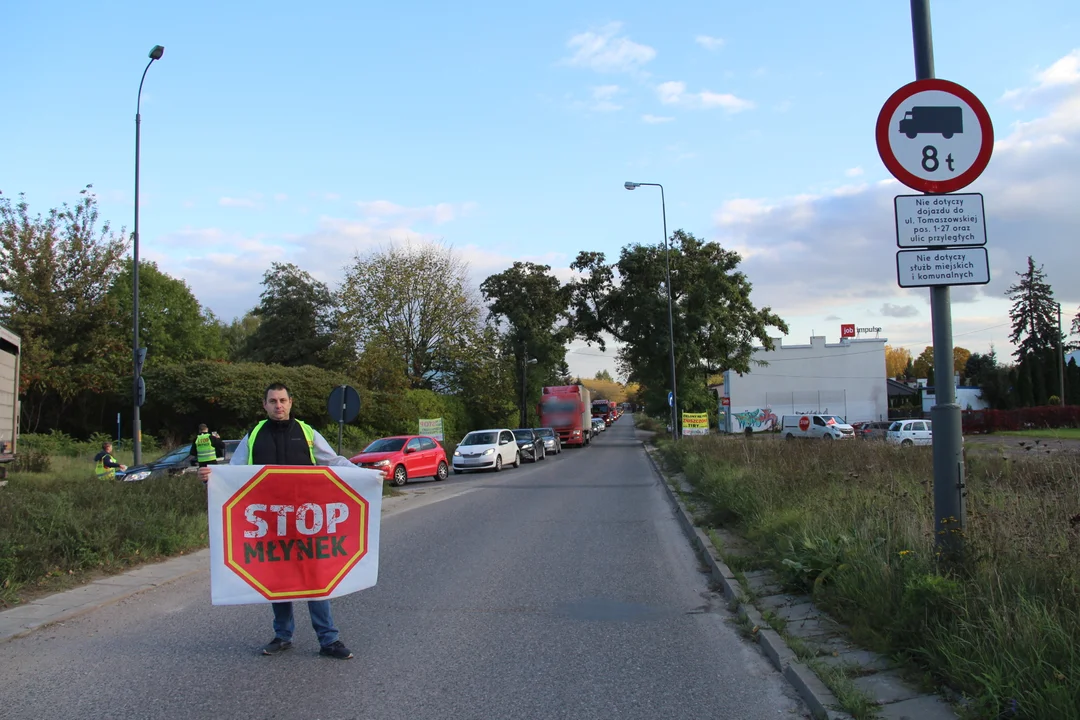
(826, 427)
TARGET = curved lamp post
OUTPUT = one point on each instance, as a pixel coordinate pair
(671, 324)
(138, 355)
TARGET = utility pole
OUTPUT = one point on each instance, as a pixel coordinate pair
(949, 475)
(1061, 361)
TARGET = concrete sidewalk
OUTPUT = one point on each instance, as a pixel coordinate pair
(25, 619)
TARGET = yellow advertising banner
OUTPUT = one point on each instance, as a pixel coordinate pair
(695, 423)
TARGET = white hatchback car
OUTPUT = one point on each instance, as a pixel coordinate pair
(910, 432)
(486, 449)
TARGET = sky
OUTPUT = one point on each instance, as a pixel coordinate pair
(314, 133)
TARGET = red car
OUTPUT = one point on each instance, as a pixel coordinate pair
(405, 457)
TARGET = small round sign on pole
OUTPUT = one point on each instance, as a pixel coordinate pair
(343, 405)
(934, 136)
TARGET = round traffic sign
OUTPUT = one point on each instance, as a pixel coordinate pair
(343, 405)
(934, 136)
(804, 423)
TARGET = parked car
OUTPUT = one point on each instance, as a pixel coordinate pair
(529, 445)
(175, 462)
(910, 432)
(485, 450)
(405, 457)
(871, 430)
(552, 444)
(598, 425)
(827, 427)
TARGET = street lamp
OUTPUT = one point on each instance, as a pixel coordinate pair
(671, 325)
(138, 355)
(1061, 361)
(526, 361)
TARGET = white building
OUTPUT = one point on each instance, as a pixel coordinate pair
(967, 397)
(845, 379)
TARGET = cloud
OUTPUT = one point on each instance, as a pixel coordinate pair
(280, 197)
(382, 212)
(604, 51)
(709, 43)
(832, 317)
(655, 119)
(1050, 83)
(854, 172)
(899, 311)
(603, 96)
(674, 92)
(834, 252)
(238, 202)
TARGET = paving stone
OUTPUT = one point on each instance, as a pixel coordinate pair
(772, 602)
(755, 574)
(78, 596)
(33, 611)
(797, 612)
(126, 581)
(886, 687)
(763, 585)
(811, 627)
(859, 658)
(829, 645)
(924, 707)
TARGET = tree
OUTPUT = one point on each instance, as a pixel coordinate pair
(54, 277)
(529, 299)
(1074, 330)
(296, 319)
(234, 337)
(417, 300)
(715, 323)
(960, 357)
(924, 365)
(604, 375)
(978, 366)
(173, 326)
(896, 359)
(1034, 332)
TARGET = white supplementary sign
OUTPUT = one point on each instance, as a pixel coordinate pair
(954, 266)
(934, 136)
(940, 220)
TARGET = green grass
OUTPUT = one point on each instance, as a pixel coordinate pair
(64, 526)
(1052, 433)
(851, 524)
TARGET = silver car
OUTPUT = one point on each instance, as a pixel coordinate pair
(550, 438)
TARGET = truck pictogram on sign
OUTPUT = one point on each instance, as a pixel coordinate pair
(944, 121)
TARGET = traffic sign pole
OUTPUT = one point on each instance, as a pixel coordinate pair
(949, 485)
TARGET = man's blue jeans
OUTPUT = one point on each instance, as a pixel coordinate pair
(284, 624)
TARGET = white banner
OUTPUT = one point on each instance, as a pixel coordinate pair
(282, 533)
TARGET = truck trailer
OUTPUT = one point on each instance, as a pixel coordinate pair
(10, 349)
(568, 411)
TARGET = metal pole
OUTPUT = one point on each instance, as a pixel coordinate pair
(949, 485)
(671, 323)
(524, 368)
(136, 419)
(1061, 362)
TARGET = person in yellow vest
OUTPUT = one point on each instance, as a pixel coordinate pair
(207, 448)
(281, 439)
(105, 465)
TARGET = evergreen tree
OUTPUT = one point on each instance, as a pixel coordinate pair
(1034, 332)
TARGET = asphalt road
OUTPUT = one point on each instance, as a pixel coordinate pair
(562, 589)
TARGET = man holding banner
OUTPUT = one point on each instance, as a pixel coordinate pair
(279, 534)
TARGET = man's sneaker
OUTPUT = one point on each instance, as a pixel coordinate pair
(337, 650)
(275, 646)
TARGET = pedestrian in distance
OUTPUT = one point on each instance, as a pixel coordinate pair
(105, 465)
(207, 449)
(284, 440)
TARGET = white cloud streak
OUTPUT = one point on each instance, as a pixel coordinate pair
(606, 52)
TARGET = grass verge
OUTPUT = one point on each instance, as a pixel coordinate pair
(1052, 433)
(62, 527)
(851, 523)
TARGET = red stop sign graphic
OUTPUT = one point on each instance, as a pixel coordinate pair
(293, 533)
(804, 423)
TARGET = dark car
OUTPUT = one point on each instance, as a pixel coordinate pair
(176, 462)
(529, 445)
(871, 430)
(552, 444)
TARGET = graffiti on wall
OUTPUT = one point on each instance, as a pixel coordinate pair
(759, 419)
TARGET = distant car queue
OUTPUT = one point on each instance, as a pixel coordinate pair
(409, 457)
